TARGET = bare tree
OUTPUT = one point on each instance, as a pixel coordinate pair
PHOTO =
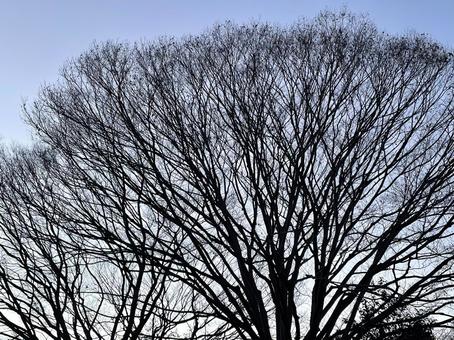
(274, 173)
(58, 284)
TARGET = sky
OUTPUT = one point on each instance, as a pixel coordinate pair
(37, 37)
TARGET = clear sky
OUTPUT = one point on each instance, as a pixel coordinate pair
(38, 36)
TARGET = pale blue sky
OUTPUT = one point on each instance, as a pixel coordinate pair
(38, 36)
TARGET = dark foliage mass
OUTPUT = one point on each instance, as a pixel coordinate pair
(252, 182)
(403, 324)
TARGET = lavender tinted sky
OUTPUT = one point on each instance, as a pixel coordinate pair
(37, 37)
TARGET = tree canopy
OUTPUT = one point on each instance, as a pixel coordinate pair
(251, 182)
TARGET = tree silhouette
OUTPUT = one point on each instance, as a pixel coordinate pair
(59, 284)
(259, 179)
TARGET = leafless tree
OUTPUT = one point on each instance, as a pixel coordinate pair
(58, 284)
(279, 177)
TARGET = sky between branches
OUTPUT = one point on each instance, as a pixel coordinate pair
(37, 37)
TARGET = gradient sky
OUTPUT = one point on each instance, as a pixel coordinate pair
(38, 36)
